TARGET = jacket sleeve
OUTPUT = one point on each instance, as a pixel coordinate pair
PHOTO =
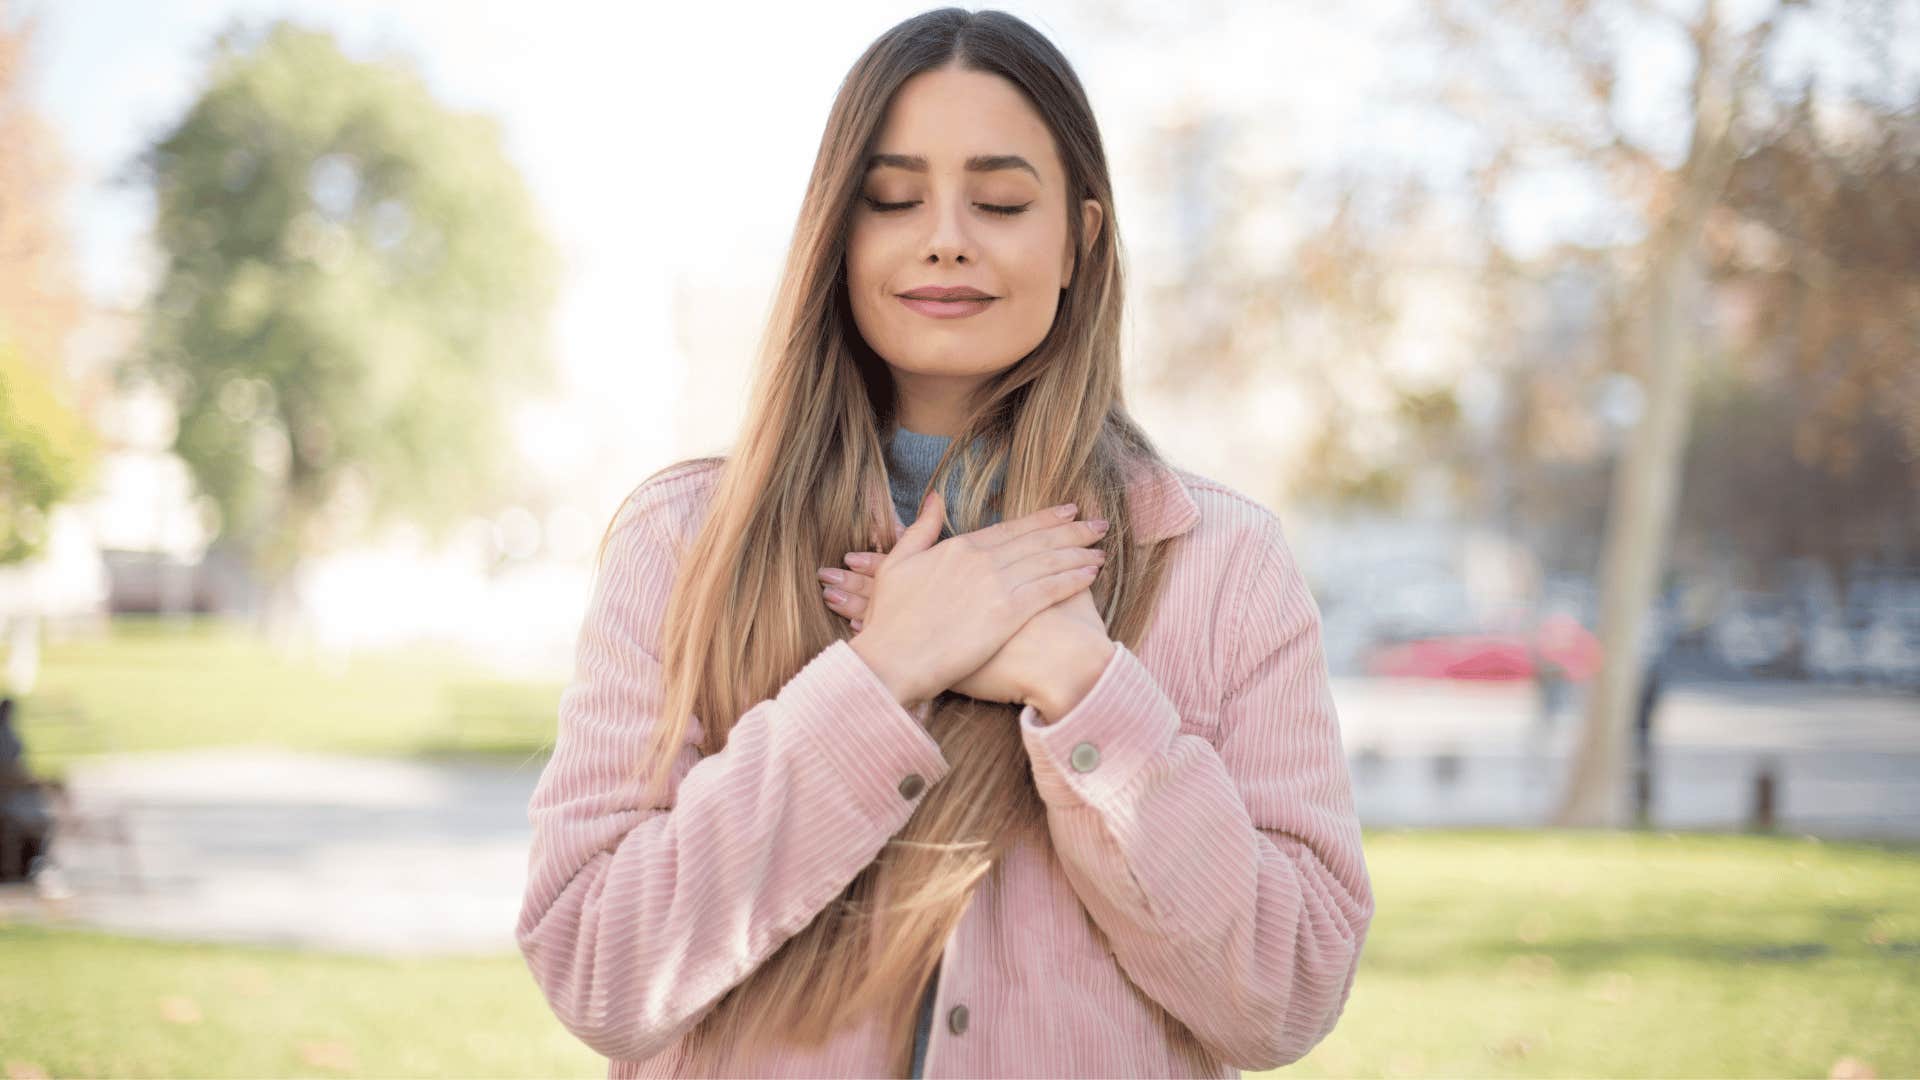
(638, 914)
(1229, 881)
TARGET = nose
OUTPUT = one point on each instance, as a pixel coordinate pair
(950, 238)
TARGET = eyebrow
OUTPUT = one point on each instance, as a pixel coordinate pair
(976, 163)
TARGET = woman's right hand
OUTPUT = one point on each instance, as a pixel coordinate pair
(939, 611)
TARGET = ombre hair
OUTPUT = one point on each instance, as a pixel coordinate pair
(806, 482)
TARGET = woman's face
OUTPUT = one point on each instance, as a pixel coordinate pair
(965, 189)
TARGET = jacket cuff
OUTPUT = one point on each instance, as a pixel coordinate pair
(1095, 748)
(873, 742)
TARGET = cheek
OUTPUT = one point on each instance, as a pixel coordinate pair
(1031, 270)
(1037, 261)
(867, 280)
(873, 265)
(860, 259)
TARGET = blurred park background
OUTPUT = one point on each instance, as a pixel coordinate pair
(1576, 342)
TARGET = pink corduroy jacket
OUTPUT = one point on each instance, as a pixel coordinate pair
(1204, 854)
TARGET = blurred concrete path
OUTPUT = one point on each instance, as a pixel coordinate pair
(355, 854)
(1846, 760)
(401, 856)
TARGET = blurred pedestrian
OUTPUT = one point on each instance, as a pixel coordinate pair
(1651, 685)
(26, 813)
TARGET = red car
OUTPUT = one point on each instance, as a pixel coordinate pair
(1558, 640)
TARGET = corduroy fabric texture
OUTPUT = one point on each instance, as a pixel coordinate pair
(1202, 865)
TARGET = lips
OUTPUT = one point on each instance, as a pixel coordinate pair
(946, 309)
(945, 292)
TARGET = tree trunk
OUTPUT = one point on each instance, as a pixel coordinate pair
(1645, 489)
(1646, 481)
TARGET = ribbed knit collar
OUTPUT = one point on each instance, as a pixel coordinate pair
(911, 457)
(1158, 497)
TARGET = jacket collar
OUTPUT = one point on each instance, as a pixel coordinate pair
(1160, 503)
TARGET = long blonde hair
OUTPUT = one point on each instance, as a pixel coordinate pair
(806, 482)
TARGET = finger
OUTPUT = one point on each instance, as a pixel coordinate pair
(1063, 535)
(1043, 592)
(1002, 531)
(1053, 561)
(857, 624)
(843, 603)
(925, 529)
(847, 581)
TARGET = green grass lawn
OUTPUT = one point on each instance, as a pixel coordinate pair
(1493, 953)
(128, 1007)
(153, 685)
(1514, 953)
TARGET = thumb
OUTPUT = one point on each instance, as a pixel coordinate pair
(925, 529)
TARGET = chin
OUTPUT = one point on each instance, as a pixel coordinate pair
(949, 366)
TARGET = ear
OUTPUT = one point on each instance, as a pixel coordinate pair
(1090, 219)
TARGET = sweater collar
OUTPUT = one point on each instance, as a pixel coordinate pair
(911, 457)
(1162, 506)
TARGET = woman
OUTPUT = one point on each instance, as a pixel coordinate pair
(1071, 801)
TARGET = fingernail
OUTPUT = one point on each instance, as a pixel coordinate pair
(828, 573)
(859, 560)
(835, 595)
(1066, 510)
(1099, 525)
(857, 624)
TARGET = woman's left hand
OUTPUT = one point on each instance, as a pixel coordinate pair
(1045, 645)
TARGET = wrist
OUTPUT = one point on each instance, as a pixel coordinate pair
(1069, 681)
(896, 677)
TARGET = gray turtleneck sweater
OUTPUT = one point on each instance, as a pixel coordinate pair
(911, 457)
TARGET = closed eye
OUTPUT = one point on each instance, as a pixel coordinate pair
(887, 207)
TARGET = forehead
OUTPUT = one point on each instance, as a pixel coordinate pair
(948, 116)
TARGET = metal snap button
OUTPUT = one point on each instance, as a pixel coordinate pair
(913, 785)
(1085, 757)
(957, 1020)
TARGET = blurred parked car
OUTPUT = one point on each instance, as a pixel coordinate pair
(1558, 640)
(1872, 637)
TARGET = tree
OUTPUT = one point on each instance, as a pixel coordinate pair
(1718, 212)
(1547, 82)
(1818, 246)
(46, 450)
(355, 285)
